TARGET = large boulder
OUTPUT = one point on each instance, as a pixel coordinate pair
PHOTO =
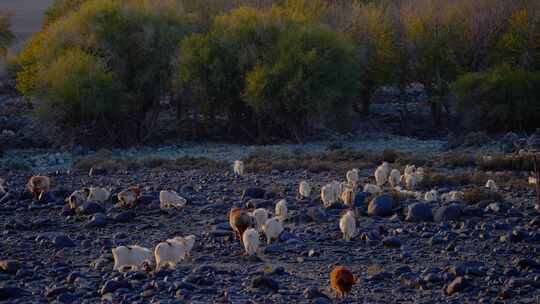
(451, 212)
(419, 212)
(381, 205)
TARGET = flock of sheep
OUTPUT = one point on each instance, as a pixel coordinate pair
(249, 225)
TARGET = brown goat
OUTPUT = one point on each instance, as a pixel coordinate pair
(38, 184)
(342, 280)
(240, 221)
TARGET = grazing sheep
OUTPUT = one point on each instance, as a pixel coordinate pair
(394, 178)
(250, 240)
(189, 242)
(304, 189)
(352, 177)
(128, 197)
(492, 186)
(38, 185)
(131, 256)
(272, 229)
(409, 169)
(99, 195)
(281, 210)
(381, 174)
(240, 221)
(170, 199)
(341, 281)
(431, 196)
(411, 181)
(373, 189)
(76, 199)
(261, 216)
(453, 196)
(348, 194)
(170, 253)
(419, 174)
(238, 167)
(347, 225)
(330, 194)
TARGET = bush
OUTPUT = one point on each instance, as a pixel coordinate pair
(505, 98)
(268, 72)
(6, 36)
(133, 44)
(61, 8)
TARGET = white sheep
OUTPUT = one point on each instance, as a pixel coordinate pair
(492, 186)
(95, 194)
(348, 194)
(347, 225)
(411, 181)
(373, 189)
(431, 196)
(76, 199)
(381, 174)
(394, 178)
(330, 194)
(272, 229)
(189, 242)
(261, 216)
(409, 169)
(170, 252)
(128, 197)
(131, 256)
(170, 199)
(281, 210)
(532, 180)
(251, 241)
(304, 189)
(238, 167)
(453, 196)
(352, 177)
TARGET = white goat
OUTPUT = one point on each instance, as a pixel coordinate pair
(330, 194)
(411, 181)
(251, 241)
(261, 216)
(76, 199)
(98, 195)
(348, 194)
(453, 196)
(347, 225)
(394, 178)
(304, 189)
(409, 169)
(370, 188)
(238, 167)
(189, 242)
(352, 177)
(381, 174)
(492, 186)
(131, 256)
(272, 229)
(170, 199)
(281, 210)
(128, 197)
(431, 196)
(170, 252)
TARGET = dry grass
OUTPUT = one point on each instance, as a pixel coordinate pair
(114, 164)
(506, 162)
(476, 195)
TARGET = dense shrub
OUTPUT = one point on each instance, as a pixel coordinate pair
(275, 74)
(504, 98)
(6, 36)
(133, 44)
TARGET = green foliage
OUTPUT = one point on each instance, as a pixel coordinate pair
(61, 8)
(78, 87)
(270, 67)
(136, 41)
(6, 36)
(505, 97)
(520, 43)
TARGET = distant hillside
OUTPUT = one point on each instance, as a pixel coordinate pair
(26, 17)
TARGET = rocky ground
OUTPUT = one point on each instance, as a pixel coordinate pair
(455, 252)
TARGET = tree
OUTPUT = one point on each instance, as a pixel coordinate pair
(6, 36)
(505, 98)
(136, 40)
